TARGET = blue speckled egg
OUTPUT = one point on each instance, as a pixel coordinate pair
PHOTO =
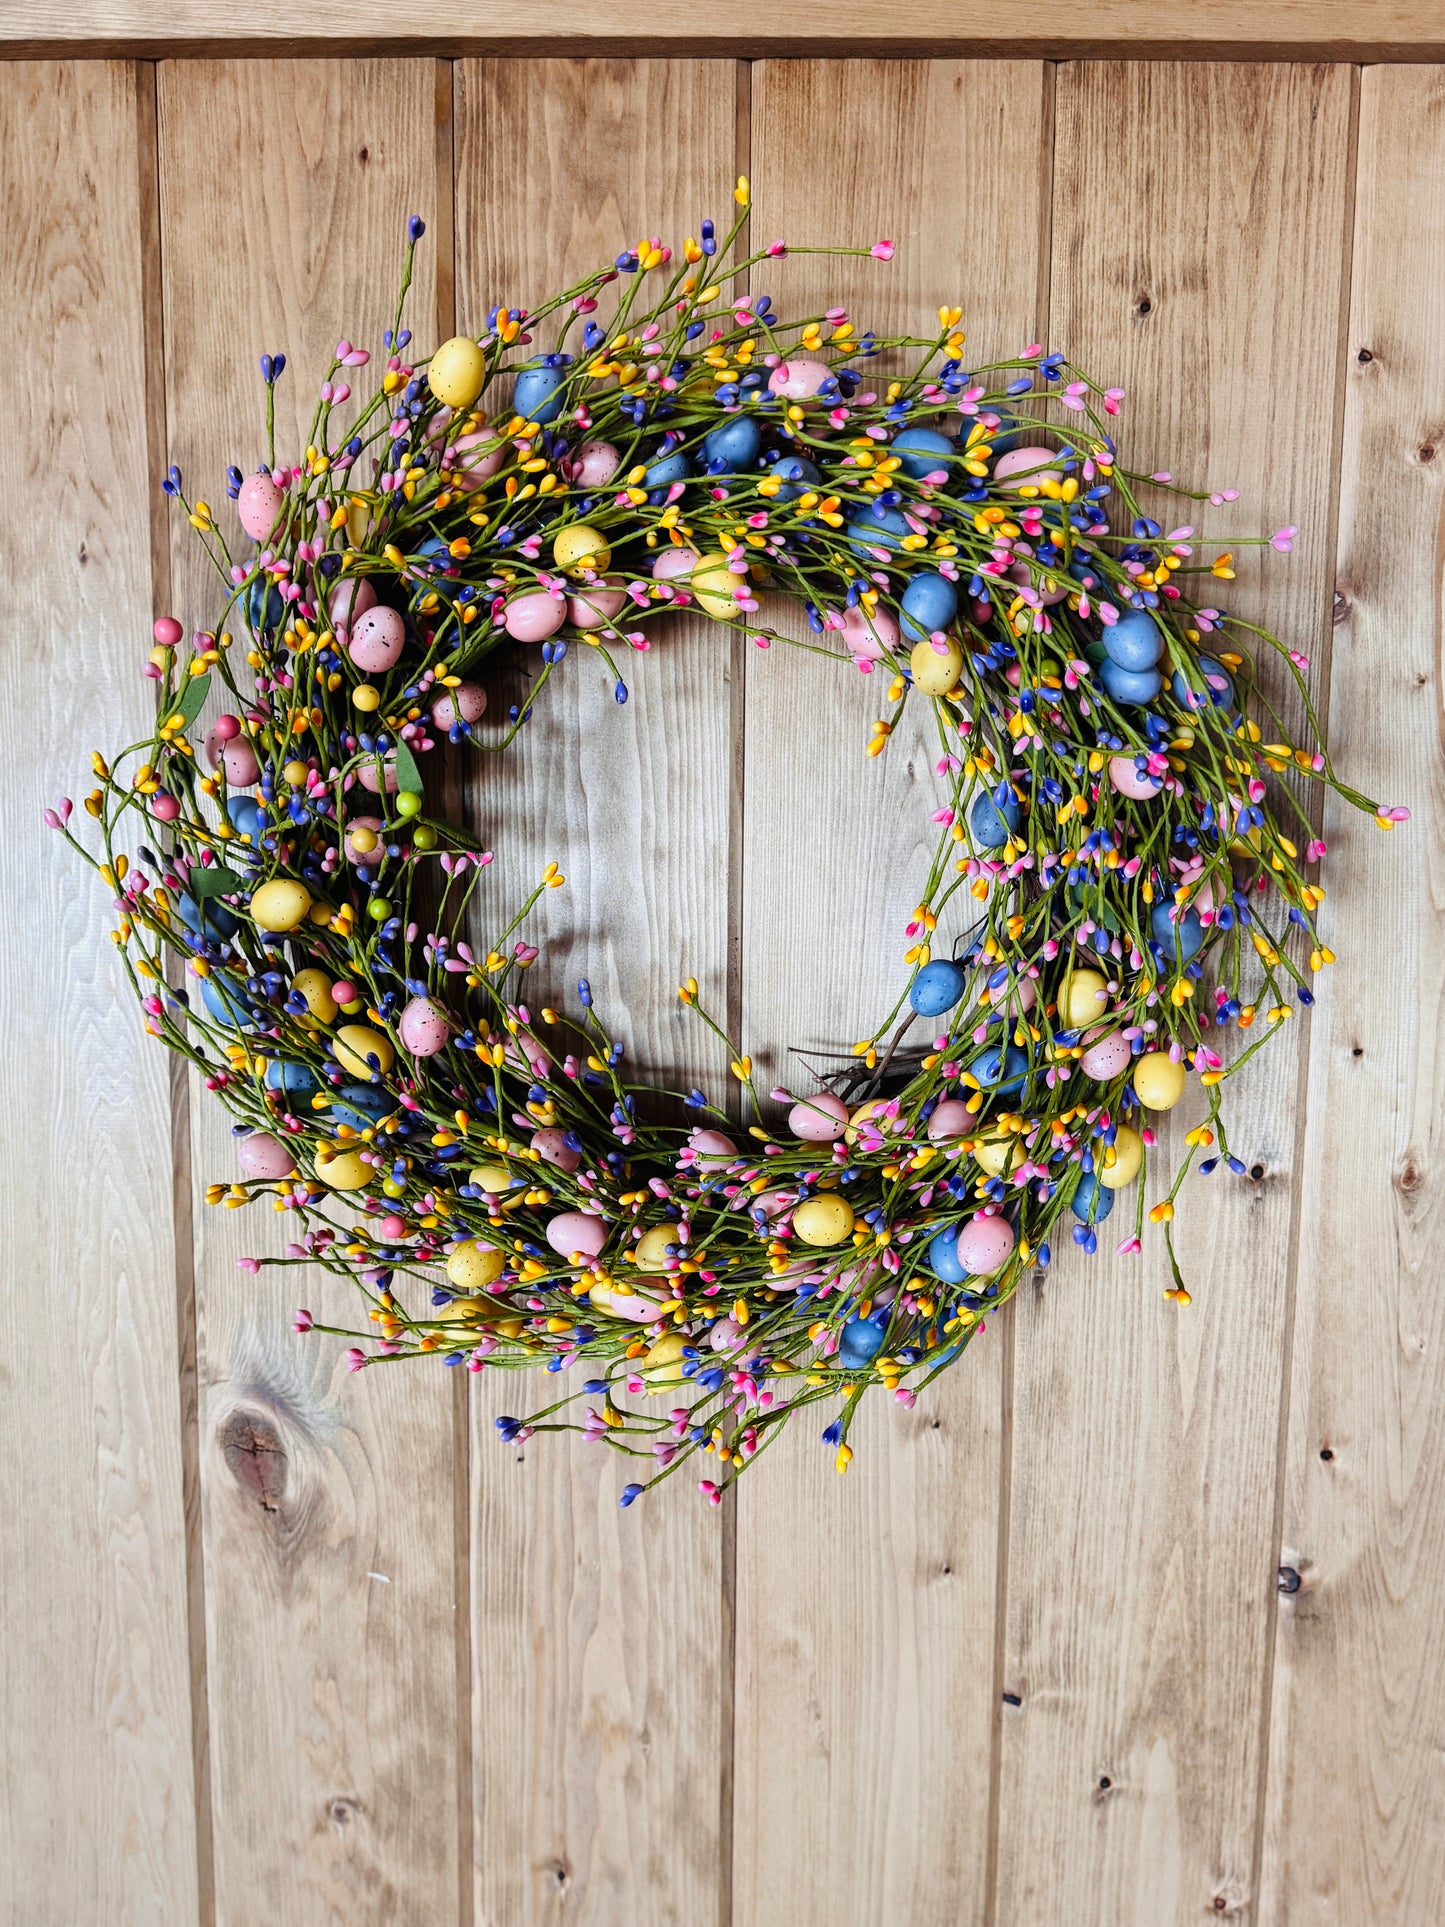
(1092, 1202)
(360, 1106)
(860, 1342)
(209, 918)
(536, 395)
(1130, 687)
(1196, 699)
(937, 987)
(876, 528)
(1177, 940)
(671, 468)
(991, 824)
(921, 451)
(735, 443)
(297, 1081)
(1001, 1069)
(227, 1004)
(264, 607)
(929, 602)
(797, 474)
(1134, 642)
(247, 817)
(944, 1259)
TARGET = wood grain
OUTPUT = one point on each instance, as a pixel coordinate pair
(97, 1817)
(866, 1693)
(328, 1501)
(1070, 29)
(1356, 1809)
(1141, 1563)
(598, 1694)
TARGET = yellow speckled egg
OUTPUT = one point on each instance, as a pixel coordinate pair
(1158, 1081)
(662, 1363)
(995, 1155)
(346, 1173)
(1128, 1153)
(495, 1178)
(651, 1248)
(874, 1111)
(315, 986)
(825, 1220)
(356, 1042)
(579, 547)
(457, 371)
(713, 583)
(935, 671)
(280, 904)
(473, 1310)
(472, 1266)
(1083, 999)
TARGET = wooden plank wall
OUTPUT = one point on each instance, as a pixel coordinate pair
(284, 1645)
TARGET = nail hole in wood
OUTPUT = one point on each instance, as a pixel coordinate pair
(1288, 1579)
(1425, 452)
(1104, 1783)
(1364, 355)
(1012, 1699)
(1256, 1171)
(1143, 305)
(364, 155)
(1358, 1051)
(1326, 1454)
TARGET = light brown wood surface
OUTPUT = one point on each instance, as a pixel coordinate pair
(1356, 1791)
(285, 1645)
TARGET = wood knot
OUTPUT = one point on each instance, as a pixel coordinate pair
(255, 1457)
(1143, 306)
(1340, 608)
(1425, 452)
(1408, 1175)
(1364, 356)
(1287, 1579)
(343, 1808)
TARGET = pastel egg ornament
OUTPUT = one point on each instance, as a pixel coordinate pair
(818, 1120)
(360, 1106)
(595, 464)
(262, 1156)
(1027, 467)
(534, 615)
(1128, 1155)
(363, 840)
(1083, 998)
(1131, 777)
(228, 1005)
(949, 1119)
(974, 1249)
(1218, 686)
(258, 505)
(473, 1265)
(1002, 1068)
(231, 753)
(593, 607)
(715, 586)
(281, 904)
(869, 636)
(1092, 1202)
(658, 1247)
(292, 1080)
(1159, 1080)
(354, 1044)
(581, 550)
(711, 1150)
(733, 446)
(674, 563)
(1178, 933)
(800, 379)
(1130, 688)
(378, 774)
(991, 823)
(538, 395)
(937, 987)
(860, 1342)
(667, 469)
(930, 602)
(871, 527)
(456, 372)
(346, 1171)
(467, 703)
(377, 638)
(935, 667)
(922, 451)
(663, 1366)
(424, 1027)
(350, 599)
(576, 1233)
(795, 473)
(1106, 1057)
(473, 459)
(552, 1147)
(1134, 642)
(824, 1220)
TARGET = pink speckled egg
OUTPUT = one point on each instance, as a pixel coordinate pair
(377, 639)
(262, 1156)
(465, 704)
(984, 1244)
(1129, 781)
(1029, 465)
(869, 637)
(711, 1149)
(798, 379)
(818, 1120)
(423, 1027)
(258, 505)
(1107, 1054)
(772, 1204)
(726, 1335)
(640, 1306)
(534, 616)
(370, 847)
(552, 1147)
(1016, 997)
(474, 459)
(952, 1118)
(233, 756)
(350, 599)
(673, 563)
(1023, 576)
(1203, 899)
(595, 464)
(573, 1231)
(367, 777)
(523, 1052)
(590, 607)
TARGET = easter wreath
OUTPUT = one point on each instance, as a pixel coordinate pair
(293, 921)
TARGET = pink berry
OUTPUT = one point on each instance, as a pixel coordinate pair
(167, 631)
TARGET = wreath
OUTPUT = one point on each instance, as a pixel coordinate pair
(292, 910)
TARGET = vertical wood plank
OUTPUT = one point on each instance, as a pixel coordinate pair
(1198, 260)
(328, 1502)
(97, 1818)
(866, 1608)
(1356, 1806)
(597, 1637)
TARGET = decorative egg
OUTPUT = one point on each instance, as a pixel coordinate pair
(1134, 641)
(356, 1042)
(592, 607)
(226, 1003)
(495, 1179)
(1158, 1081)
(951, 1118)
(992, 823)
(875, 1113)
(262, 1156)
(715, 587)
(1083, 999)
(364, 840)
(1045, 586)
(580, 547)
(869, 637)
(876, 528)
(315, 987)
(552, 1147)
(796, 473)
(930, 602)
(668, 469)
(824, 1220)
(943, 1256)
(1128, 1156)
(576, 1231)
(1027, 467)
(734, 443)
(726, 1335)
(233, 756)
(1130, 688)
(378, 637)
(259, 505)
(474, 1266)
(799, 379)
(640, 1307)
(538, 395)
(1106, 1058)
(1218, 686)
(466, 703)
(296, 1082)
(1002, 1068)
(922, 451)
(280, 904)
(662, 1363)
(424, 1027)
(651, 1249)
(456, 372)
(1091, 1202)
(674, 562)
(1130, 780)
(818, 1120)
(475, 458)
(534, 615)
(1016, 995)
(937, 987)
(369, 780)
(359, 1106)
(935, 670)
(996, 1155)
(984, 1244)
(1178, 933)
(595, 464)
(350, 599)
(711, 1149)
(860, 1342)
(348, 1172)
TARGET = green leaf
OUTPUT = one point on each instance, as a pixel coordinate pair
(193, 697)
(408, 776)
(215, 880)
